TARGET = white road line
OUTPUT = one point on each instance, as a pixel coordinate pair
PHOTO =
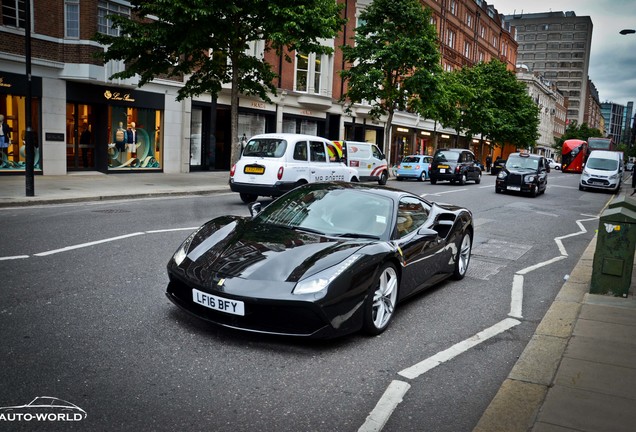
(392, 396)
(541, 264)
(516, 297)
(459, 348)
(13, 257)
(442, 193)
(170, 230)
(83, 245)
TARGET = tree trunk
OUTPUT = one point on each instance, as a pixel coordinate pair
(235, 145)
(387, 138)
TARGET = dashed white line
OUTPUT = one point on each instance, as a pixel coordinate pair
(13, 257)
(516, 297)
(83, 245)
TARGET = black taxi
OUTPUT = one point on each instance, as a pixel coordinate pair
(525, 173)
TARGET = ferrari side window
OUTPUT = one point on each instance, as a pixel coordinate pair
(412, 213)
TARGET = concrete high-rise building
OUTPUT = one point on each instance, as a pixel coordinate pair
(557, 45)
(627, 123)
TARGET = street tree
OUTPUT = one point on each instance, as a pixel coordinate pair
(206, 43)
(394, 61)
(500, 108)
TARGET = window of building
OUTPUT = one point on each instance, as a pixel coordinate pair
(563, 65)
(580, 35)
(504, 49)
(467, 49)
(540, 56)
(450, 38)
(531, 27)
(568, 26)
(105, 8)
(448, 67)
(542, 36)
(566, 36)
(482, 31)
(14, 13)
(562, 46)
(482, 56)
(531, 37)
(542, 46)
(71, 19)
(552, 55)
(527, 56)
(453, 7)
(309, 73)
(565, 55)
(528, 46)
(494, 41)
(580, 26)
(556, 27)
(469, 20)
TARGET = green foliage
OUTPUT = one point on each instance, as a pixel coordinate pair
(394, 59)
(178, 39)
(487, 99)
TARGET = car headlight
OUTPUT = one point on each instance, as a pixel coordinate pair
(502, 175)
(613, 177)
(183, 250)
(585, 175)
(321, 280)
(531, 178)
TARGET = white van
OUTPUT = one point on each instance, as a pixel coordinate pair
(367, 158)
(603, 170)
(272, 164)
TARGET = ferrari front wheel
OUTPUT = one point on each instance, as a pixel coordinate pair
(463, 257)
(380, 306)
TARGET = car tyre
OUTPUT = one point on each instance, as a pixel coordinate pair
(383, 178)
(248, 198)
(433, 181)
(399, 179)
(463, 257)
(478, 179)
(462, 180)
(422, 176)
(581, 188)
(380, 305)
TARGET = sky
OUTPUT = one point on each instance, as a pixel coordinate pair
(613, 56)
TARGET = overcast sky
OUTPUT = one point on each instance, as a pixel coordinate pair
(613, 57)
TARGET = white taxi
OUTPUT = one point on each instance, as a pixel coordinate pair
(272, 164)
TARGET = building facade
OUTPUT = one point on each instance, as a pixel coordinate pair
(613, 115)
(83, 120)
(557, 45)
(593, 115)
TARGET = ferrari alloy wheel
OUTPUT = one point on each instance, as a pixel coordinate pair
(463, 257)
(381, 306)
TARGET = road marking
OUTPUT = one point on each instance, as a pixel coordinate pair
(13, 257)
(83, 245)
(393, 395)
(442, 193)
(170, 230)
(516, 297)
(457, 349)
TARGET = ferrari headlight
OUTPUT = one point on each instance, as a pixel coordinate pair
(320, 281)
(182, 252)
(502, 175)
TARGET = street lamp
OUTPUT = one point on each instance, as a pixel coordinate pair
(627, 31)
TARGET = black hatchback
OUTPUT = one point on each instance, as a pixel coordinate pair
(454, 165)
(525, 173)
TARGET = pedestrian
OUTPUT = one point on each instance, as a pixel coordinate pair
(85, 141)
(5, 140)
(488, 163)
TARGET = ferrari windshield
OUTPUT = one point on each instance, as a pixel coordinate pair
(332, 212)
(520, 162)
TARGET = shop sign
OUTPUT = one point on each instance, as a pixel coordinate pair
(54, 136)
(4, 84)
(260, 105)
(117, 96)
(305, 112)
(400, 129)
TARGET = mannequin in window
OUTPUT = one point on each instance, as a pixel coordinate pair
(5, 139)
(120, 138)
(132, 139)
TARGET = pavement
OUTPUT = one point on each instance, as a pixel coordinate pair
(577, 373)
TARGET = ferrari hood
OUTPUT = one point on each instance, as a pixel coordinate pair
(240, 248)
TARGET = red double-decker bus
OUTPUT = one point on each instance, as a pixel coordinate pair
(573, 155)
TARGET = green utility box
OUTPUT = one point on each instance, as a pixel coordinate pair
(614, 255)
(623, 201)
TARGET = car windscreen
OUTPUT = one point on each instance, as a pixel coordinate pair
(411, 159)
(332, 212)
(446, 156)
(519, 162)
(602, 164)
(265, 147)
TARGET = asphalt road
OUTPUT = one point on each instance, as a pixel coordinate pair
(84, 318)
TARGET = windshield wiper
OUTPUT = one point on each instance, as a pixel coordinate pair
(358, 235)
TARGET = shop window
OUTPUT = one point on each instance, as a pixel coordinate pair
(106, 8)
(13, 156)
(71, 19)
(135, 138)
(14, 13)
